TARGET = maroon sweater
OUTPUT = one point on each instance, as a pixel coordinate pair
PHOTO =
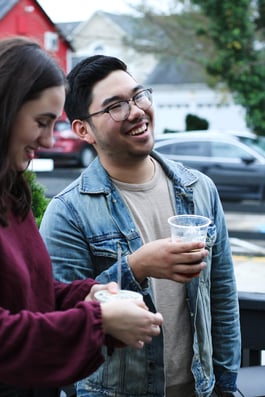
(49, 337)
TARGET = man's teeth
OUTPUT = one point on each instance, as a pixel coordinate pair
(138, 131)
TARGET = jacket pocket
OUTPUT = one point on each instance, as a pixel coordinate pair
(211, 235)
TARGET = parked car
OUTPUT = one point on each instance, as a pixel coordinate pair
(68, 148)
(253, 140)
(237, 169)
(247, 137)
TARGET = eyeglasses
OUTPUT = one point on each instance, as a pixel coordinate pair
(120, 111)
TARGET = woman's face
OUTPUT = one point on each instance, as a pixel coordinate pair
(33, 127)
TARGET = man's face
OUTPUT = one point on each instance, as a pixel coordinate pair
(120, 141)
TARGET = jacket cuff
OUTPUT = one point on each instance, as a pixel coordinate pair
(226, 381)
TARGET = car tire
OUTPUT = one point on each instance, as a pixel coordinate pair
(86, 156)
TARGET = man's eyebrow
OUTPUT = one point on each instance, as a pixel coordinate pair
(117, 98)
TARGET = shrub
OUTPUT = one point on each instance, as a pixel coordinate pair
(194, 122)
(39, 200)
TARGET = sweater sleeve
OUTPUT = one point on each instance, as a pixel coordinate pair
(51, 349)
(68, 295)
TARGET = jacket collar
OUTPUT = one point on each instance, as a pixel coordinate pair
(95, 179)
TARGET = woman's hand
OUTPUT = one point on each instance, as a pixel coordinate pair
(130, 322)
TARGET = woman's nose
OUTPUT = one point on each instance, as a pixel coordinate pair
(46, 139)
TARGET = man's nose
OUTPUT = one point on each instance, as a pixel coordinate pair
(135, 111)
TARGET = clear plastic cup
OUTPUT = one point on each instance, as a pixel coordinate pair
(188, 228)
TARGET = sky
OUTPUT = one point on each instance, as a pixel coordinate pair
(79, 10)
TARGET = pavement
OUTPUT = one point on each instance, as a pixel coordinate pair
(250, 273)
(248, 256)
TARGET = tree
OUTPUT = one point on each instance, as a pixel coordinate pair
(239, 59)
(171, 36)
(224, 38)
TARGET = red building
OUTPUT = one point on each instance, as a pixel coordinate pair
(27, 18)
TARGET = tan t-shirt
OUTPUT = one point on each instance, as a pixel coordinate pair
(151, 206)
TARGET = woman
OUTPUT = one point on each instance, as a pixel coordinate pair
(51, 333)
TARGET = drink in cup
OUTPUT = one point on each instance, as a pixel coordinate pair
(105, 296)
(189, 228)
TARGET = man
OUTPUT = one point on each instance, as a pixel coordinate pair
(121, 202)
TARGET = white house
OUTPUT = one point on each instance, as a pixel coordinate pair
(178, 89)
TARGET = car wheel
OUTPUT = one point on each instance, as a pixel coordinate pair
(86, 156)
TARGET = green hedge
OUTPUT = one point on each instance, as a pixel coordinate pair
(39, 200)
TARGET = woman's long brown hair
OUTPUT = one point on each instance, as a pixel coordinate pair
(25, 71)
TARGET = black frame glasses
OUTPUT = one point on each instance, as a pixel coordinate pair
(120, 111)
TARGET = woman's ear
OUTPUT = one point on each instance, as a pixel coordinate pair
(83, 130)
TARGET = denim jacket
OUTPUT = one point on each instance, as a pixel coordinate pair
(82, 227)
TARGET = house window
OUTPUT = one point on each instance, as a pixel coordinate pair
(51, 41)
(98, 49)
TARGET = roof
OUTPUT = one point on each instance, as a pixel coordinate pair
(67, 28)
(135, 27)
(6, 6)
(171, 71)
(124, 21)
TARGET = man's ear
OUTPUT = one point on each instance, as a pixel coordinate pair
(83, 130)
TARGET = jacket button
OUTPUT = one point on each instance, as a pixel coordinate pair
(151, 364)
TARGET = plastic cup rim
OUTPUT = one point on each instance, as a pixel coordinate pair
(207, 220)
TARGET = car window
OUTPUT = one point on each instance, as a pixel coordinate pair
(62, 125)
(257, 143)
(228, 150)
(185, 148)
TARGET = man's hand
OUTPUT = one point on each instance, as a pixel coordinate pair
(177, 261)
